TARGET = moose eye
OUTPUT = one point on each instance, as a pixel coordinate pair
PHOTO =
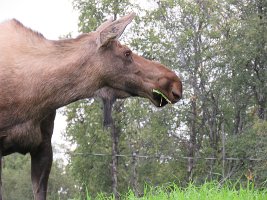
(127, 53)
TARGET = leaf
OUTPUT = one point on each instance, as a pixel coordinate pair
(162, 95)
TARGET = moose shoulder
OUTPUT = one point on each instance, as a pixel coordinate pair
(37, 76)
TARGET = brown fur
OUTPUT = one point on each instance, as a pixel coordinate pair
(37, 76)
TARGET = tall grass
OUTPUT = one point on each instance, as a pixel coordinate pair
(208, 191)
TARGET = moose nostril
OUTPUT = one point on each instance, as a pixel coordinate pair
(176, 95)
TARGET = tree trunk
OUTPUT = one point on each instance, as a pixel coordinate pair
(192, 142)
(261, 62)
(196, 94)
(223, 151)
(115, 134)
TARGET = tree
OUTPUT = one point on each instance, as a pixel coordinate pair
(204, 38)
(92, 14)
(219, 48)
(17, 180)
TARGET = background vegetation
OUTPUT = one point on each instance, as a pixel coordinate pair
(219, 49)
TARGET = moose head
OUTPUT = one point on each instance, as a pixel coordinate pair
(130, 74)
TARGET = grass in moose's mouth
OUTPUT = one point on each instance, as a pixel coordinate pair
(162, 96)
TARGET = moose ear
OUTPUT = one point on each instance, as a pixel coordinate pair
(110, 30)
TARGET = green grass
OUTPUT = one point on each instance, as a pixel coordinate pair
(208, 191)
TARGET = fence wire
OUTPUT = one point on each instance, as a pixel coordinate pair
(162, 156)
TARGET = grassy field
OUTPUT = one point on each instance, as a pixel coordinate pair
(208, 191)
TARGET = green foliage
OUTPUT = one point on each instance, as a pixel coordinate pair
(16, 180)
(252, 143)
(16, 177)
(219, 49)
(85, 129)
(93, 13)
(207, 191)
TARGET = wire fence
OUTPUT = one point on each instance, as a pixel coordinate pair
(225, 169)
(134, 155)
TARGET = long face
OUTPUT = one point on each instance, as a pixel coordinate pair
(132, 75)
(127, 74)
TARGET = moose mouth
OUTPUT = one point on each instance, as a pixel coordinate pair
(160, 98)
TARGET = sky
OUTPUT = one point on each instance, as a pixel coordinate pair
(52, 18)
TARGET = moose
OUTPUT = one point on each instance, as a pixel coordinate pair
(38, 76)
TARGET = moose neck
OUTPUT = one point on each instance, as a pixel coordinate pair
(68, 73)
